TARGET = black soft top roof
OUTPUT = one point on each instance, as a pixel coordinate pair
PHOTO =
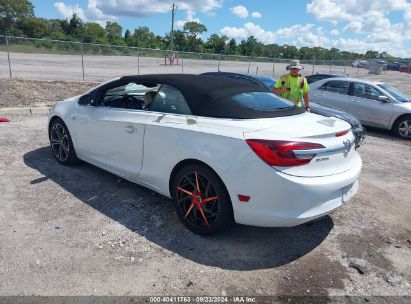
(210, 96)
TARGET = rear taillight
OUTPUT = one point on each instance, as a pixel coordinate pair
(280, 153)
(339, 134)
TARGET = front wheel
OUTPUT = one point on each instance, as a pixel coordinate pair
(61, 144)
(402, 127)
(202, 202)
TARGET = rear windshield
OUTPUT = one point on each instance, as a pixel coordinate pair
(267, 81)
(262, 101)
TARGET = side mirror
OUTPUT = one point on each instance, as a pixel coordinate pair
(86, 100)
(383, 98)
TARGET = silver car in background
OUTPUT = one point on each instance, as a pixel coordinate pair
(375, 104)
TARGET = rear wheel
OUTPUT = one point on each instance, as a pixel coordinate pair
(402, 127)
(61, 144)
(202, 202)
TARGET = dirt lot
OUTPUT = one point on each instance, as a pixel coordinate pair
(82, 231)
(23, 93)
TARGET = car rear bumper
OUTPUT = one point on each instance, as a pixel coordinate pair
(282, 200)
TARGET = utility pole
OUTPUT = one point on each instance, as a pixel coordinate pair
(173, 11)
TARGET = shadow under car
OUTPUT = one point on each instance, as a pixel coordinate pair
(151, 215)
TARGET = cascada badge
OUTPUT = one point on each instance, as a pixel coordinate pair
(348, 144)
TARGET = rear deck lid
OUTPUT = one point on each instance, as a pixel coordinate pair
(306, 145)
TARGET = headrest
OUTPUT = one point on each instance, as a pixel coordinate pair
(148, 98)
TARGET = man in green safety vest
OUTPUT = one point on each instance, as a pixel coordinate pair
(293, 86)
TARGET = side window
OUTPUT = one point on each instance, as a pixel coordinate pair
(169, 100)
(365, 91)
(338, 87)
(127, 96)
(86, 100)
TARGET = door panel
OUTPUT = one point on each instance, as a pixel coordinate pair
(318, 96)
(335, 101)
(364, 104)
(112, 138)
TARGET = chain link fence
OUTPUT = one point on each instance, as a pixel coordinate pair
(43, 59)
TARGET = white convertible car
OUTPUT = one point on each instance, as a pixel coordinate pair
(225, 149)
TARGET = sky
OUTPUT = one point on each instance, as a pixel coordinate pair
(352, 25)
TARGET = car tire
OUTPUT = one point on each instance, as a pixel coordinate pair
(194, 188)
(61, 143)
(402, 127)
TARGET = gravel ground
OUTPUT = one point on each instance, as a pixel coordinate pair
(82, 231)
(34, 93)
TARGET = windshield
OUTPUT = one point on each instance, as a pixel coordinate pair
(262, 101)
(394, 92)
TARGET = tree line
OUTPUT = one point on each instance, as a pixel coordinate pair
(18, 19)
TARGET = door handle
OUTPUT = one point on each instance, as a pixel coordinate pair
(130, 129)
(355, 100)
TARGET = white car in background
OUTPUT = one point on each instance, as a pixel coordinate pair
(360, 64)
(375, 104)
(226, 150)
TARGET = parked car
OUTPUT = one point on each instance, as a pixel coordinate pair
(355, 63)
(363, 64)
(383, 64)
(375, 104)
(405, 68)
(376, 63)
(395, 66)
(225, 150)
(269, 82)
(360, 64)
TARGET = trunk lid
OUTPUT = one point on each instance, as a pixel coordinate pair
(337, 156)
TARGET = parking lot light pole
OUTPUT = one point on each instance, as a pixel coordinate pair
(173, 10)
